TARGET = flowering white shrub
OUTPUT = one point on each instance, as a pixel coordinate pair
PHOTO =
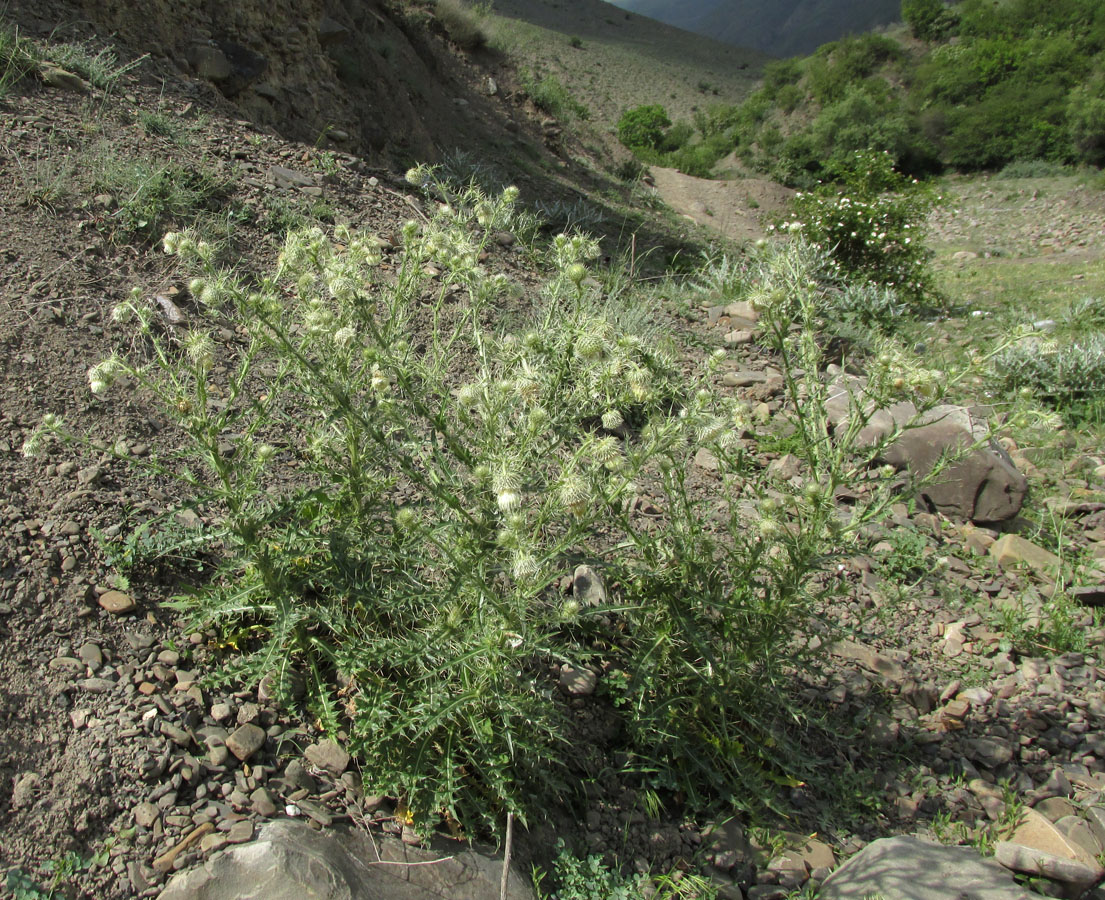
(871, 224)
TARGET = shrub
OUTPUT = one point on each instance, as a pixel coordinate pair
(1068, 375)
(871, 224)
(928, 20)
(461, 24)
(409, 479)
(549, 95)
(642, 128)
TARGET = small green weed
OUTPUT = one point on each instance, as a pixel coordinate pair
(18, 57)
(462, 24)
(588, 878)
(152, 195)
(100, 68)
(549, 95)
(160, 124)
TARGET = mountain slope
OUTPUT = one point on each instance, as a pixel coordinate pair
(610, 59)
(781, 28)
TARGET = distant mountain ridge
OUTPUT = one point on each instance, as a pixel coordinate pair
(778, 27)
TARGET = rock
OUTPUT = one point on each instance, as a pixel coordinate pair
(117, 603)
(742, 379)
(145, 814)
(91, 655)
(328, 755)
(1076, 830)
(24, 790)
(246, 741)
(209, 61)
(1055, 808)
(983, 486)
(870, 659)
(706, 460)
(907, 868)
(1089, 594)
(240, 832)
(490, 87)
(1030, 861)
(742, 314)
(738, 337)
(1037, 847)
(290, 861)
(578, 682)
(331, 31)
(1012, 550)
(289, 178)
(991, 752)
(260, 801)
(587, 587)
(57, 77)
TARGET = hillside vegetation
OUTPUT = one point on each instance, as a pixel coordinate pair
(966, 87)
(779, 28)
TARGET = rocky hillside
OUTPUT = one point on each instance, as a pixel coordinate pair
(949, 685)
(784, 28)
(374, 78)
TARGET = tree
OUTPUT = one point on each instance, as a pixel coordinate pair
(642, 128)
(928, 20)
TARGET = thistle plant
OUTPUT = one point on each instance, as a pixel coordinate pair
(403, 473)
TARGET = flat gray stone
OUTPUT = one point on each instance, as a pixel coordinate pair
(907, 868)
(292, 861)
(328, 755)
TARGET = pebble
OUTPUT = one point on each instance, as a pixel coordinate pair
(117, 603)
(246, 741)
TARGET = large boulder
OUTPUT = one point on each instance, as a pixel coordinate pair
(290, 860)
(977, 481)
(980, 484)
(907, 868)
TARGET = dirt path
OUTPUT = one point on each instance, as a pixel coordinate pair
(734, 207)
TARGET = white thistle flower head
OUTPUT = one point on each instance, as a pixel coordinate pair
(768, 528)
(410, 230)
(171, 242)
(265, 452)
(102, 375)
(197, 286)
(122, 313)
(200, 349)
(468, 395)
(405, 518)
(508, 500)
(417, 176)
(344, 337)
(32, 446)
(605, 450)
(538, 418)
(506, 480)
(612, 420)
(588, 346)
(510, 194)
(379, 382)
(212, 294)
(481, 473)
(525, 566)
(573, 491)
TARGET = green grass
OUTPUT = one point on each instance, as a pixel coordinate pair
(153, 195)
(18, 57)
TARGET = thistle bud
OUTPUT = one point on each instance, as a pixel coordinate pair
(576, 272)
